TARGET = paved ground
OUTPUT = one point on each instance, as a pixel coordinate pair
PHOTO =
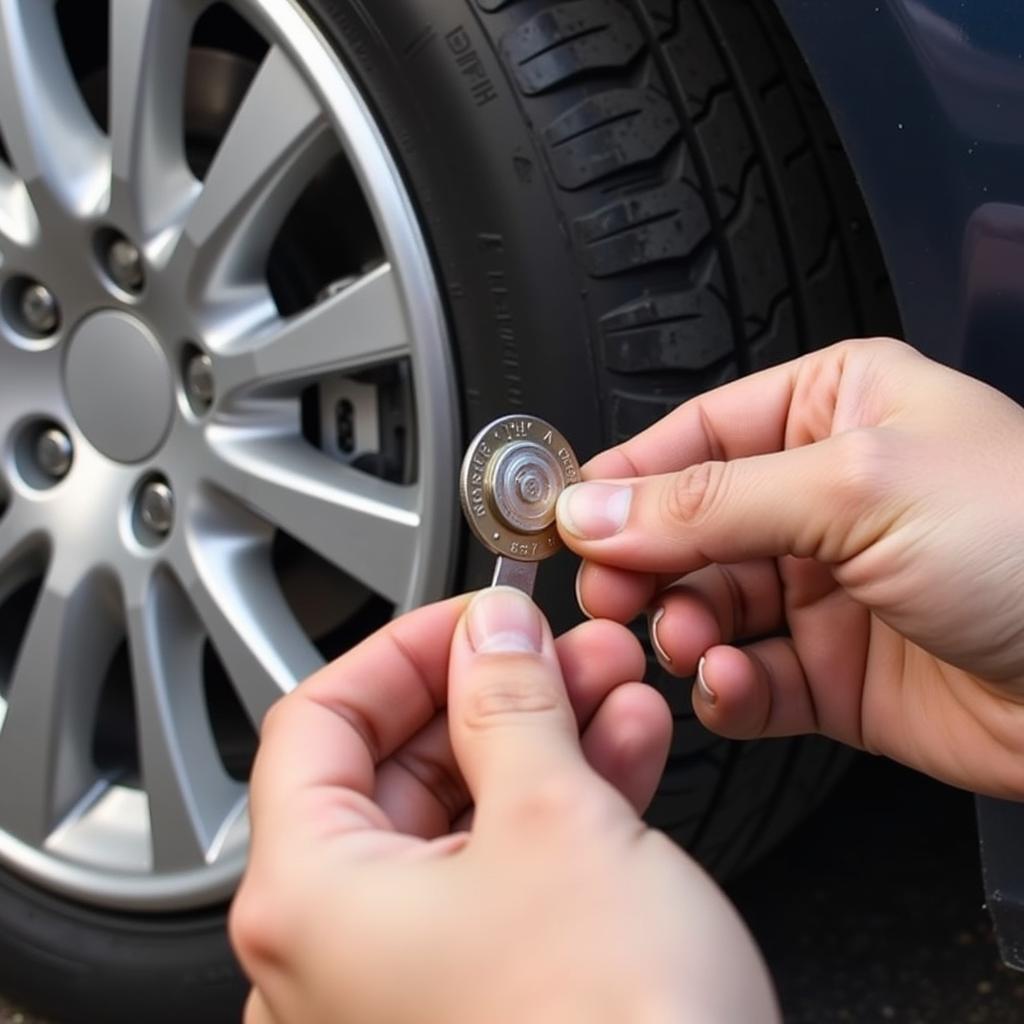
(872, 911)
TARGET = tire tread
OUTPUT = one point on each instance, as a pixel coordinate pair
(709, 202)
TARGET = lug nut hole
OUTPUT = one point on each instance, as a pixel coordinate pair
(30, 308)
(153, 510)
(122, 261)
(197, 379)
(43, 454)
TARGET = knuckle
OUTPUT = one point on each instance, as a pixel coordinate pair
(556, 801)
(861, 468)
(880, 345)
(692, 494)
(892, 347)
(441, 779)
(877, 357)
(275, 718)
(256, 928)
(510, 690)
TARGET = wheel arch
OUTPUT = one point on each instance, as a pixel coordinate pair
(923, 94)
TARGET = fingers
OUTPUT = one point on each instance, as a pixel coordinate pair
(830, 500)
(512, 724)
(420, 787)
(745, 417)
(785, 406)
(256, 1010)
(595, 658)
(628, 739)
(378, 706)
(604, 592)
(328, 735)
(756, 691)
(715, 605)
(781, 686)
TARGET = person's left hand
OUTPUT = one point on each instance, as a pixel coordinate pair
(358, 799)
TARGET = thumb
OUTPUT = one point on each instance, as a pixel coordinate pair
(829, 500)
(509, 714)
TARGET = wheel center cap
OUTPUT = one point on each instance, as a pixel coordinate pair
(119, 385)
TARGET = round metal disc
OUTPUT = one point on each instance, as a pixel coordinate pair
(511, 478)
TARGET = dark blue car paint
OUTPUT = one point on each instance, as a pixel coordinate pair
(928, 98)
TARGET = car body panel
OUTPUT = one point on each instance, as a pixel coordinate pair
(928, 99)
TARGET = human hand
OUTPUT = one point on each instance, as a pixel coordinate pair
(867, 500)
(361, 904)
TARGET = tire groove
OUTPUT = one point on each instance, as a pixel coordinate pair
(591, 30)
(704, 173)
(624, 115)
(814, 145)
(771, 177)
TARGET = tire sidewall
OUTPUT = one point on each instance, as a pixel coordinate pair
(503, 256)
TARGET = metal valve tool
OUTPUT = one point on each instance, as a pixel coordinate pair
(511, 478)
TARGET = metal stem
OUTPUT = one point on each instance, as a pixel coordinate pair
(510, 573)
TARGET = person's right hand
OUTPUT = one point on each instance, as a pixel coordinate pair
(865, 502)
(365, 902)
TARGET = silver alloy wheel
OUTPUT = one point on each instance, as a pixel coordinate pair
(111, 376)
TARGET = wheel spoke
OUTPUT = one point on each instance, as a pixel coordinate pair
(46, 739)
(277, 140)
(149, 49)
(235, 595)
(20, 552)
(12, 538)
(361, 326)
(18, 220)
(16, 365)
(50, 137)
(190, 794)
(364, 525)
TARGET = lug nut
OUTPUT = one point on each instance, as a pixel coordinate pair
(156, 507)
(124, 264)
(199, 383)
(39, 309)
(54, 453)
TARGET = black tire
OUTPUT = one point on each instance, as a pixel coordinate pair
(628, 202)
(77, 965)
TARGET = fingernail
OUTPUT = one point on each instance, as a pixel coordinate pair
(594, 511)
(504, 620)
(579, 593)
(702, 684)
(659, 650)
